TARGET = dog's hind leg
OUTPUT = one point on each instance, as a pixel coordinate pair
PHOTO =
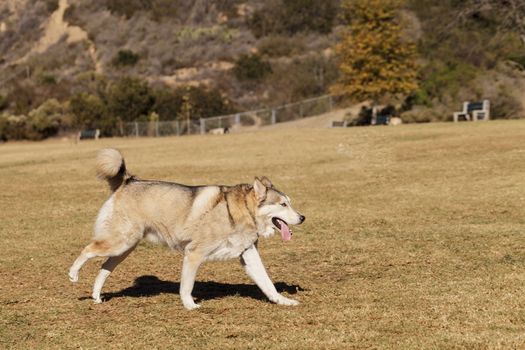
(106, 270)
(190, 265)
(98, 248)
(86, 254)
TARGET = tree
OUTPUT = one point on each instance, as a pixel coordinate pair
(130, 99)
(46, 120)
(374, 62)
(90, 112)
(186, 111)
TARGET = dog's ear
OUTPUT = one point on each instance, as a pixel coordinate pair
(266, 182)
(260, 189)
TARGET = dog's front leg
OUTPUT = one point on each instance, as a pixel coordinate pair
(255, 269)
(192, 261)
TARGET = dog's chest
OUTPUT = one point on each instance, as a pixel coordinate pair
(232, 247)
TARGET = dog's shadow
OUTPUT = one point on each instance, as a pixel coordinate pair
(148, 286)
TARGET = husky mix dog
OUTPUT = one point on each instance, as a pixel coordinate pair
(205, 222)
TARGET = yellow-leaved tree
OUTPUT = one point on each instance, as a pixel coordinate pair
(375, 63)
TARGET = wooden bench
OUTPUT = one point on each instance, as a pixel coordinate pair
(89, 134)
(474, 111)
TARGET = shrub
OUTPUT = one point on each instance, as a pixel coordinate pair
(208, 102)
(4, 103)
(293, 16)
(127, 8)
(251, 67)
(438, 79)
(12, 127)
(45, 121)
(164, 9)
(519, 60)
(42, 122)
(90, 112)
(22, 98)
(505, 106)
(202, 101)
(125, 58)
(47, 79)
(167, 103)
(157, 8)
(425, 115)
(51, 5)
(306, 77)
(279, 46)
(129, 98)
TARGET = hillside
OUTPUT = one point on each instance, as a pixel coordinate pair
(177, 43)
(75, 63)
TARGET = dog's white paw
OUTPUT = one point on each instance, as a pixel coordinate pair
(189, 304)
(73, 276)
(97, 301)
(282, 300)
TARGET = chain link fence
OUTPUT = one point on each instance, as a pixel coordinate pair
(232, 122)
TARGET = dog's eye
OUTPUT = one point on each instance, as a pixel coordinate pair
(284, 205)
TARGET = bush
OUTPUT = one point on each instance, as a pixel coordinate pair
(127, 8)
(22, 98)
(47, 79)
(12, 127)
(279, 46)
(425, 115)
(439, 80)
(157, 8)
(251, 67)
(519, 60)
(51, 5)
(90, 112)
(45, 121)
(129, 99)
(42, 122)
(307, 77)
(207, 102)
(293, 16)
(4, 103)
(125, 58)
(504, 106)
(202, 101)
(167, 104)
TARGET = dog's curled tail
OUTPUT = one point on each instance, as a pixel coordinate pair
(111, 167)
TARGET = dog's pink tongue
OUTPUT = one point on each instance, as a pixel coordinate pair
(285, 231)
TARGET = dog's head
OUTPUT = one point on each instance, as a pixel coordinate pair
(274, 210)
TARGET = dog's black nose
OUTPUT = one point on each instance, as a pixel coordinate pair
(301, 218)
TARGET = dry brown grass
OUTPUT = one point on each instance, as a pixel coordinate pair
(414, 239)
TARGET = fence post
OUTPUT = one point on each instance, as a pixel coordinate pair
(330, 103)
(203, 126)
(156, 128)
(300, 110)
(136, 129)
(178, 127)
(238, 118)
(274, 119)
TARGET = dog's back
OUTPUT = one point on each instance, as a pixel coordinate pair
(206, 222)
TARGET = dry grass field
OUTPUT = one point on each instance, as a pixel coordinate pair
(414, 239)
